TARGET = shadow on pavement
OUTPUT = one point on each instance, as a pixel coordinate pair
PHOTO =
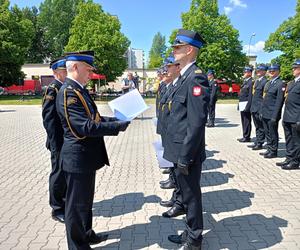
(210, 153)
(214, 178)
(6, 111)
(122, 204)
(210, 164)
(224, 123)
(253, 231)
(227, 200)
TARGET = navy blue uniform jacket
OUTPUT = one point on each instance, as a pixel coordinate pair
(257, 96)
(185, 134)
(273, 99)
(213, 87)
(83, 149)
(51, 119)
(292, 103)
(246, 93)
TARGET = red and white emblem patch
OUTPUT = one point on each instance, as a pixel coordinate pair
(197, 91)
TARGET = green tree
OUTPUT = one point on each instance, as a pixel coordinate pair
(287, 40)
(38, 50)
(223, 50)
(93, 29)
(157, 51)
(16, 34)
(54, 22)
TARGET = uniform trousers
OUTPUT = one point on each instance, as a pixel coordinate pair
(57, 185)
(246, 124)
(271, 133)
(78, 213)
(192, 201)
(292, 142)
(212, 113)
(176, 195)
(259, 128)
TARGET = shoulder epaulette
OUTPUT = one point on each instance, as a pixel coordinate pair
(198, 71)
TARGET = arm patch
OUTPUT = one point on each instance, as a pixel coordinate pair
(71, 100)
(49, 97)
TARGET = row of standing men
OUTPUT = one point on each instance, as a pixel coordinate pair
(263, 102)
(182, 107)
(75, 132)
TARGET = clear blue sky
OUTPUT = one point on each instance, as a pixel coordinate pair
(142, 19)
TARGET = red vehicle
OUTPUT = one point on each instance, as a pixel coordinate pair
(29, 87)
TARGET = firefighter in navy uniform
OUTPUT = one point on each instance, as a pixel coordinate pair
(273, 99)
(291, 121)
(52, 124)
(83, 151)
(213, 87)
(185, 135)
(173, 69)
(246, 96)
(160, 89)
(167, 79)
(256, 105)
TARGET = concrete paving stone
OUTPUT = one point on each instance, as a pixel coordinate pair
(244, 195)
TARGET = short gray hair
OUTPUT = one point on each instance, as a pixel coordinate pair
(70, 66)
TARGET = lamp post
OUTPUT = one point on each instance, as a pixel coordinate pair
(252, 35)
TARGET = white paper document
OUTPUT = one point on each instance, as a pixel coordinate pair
(154, 119)
(242, 106)
(128, 106)
(159, 150)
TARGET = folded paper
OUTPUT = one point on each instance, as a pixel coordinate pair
(128, 106)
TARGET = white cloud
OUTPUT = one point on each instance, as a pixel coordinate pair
(254, 49)
(234, 4)
(238, 3)
(227, 10)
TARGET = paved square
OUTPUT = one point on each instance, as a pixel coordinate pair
(249, 203)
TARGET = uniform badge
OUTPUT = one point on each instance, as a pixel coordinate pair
(49, 97)
(197, 91)
(198, 71)
(71, 100)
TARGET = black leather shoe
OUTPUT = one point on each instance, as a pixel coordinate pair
(167, 185)
(270, 155)
(97, 238)
(264, 153)
(291, 166)
(257, 147)
(178, 239)
(252, 145)
(169, 203)
(188, 246)
(166, 171)
(244, 140)
(283, 163)
(165, 181)
(173, 212)
(59, 217)
(210, 125)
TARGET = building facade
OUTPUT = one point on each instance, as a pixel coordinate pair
(135, 58)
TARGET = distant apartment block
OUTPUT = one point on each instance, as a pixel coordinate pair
(135, 58)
